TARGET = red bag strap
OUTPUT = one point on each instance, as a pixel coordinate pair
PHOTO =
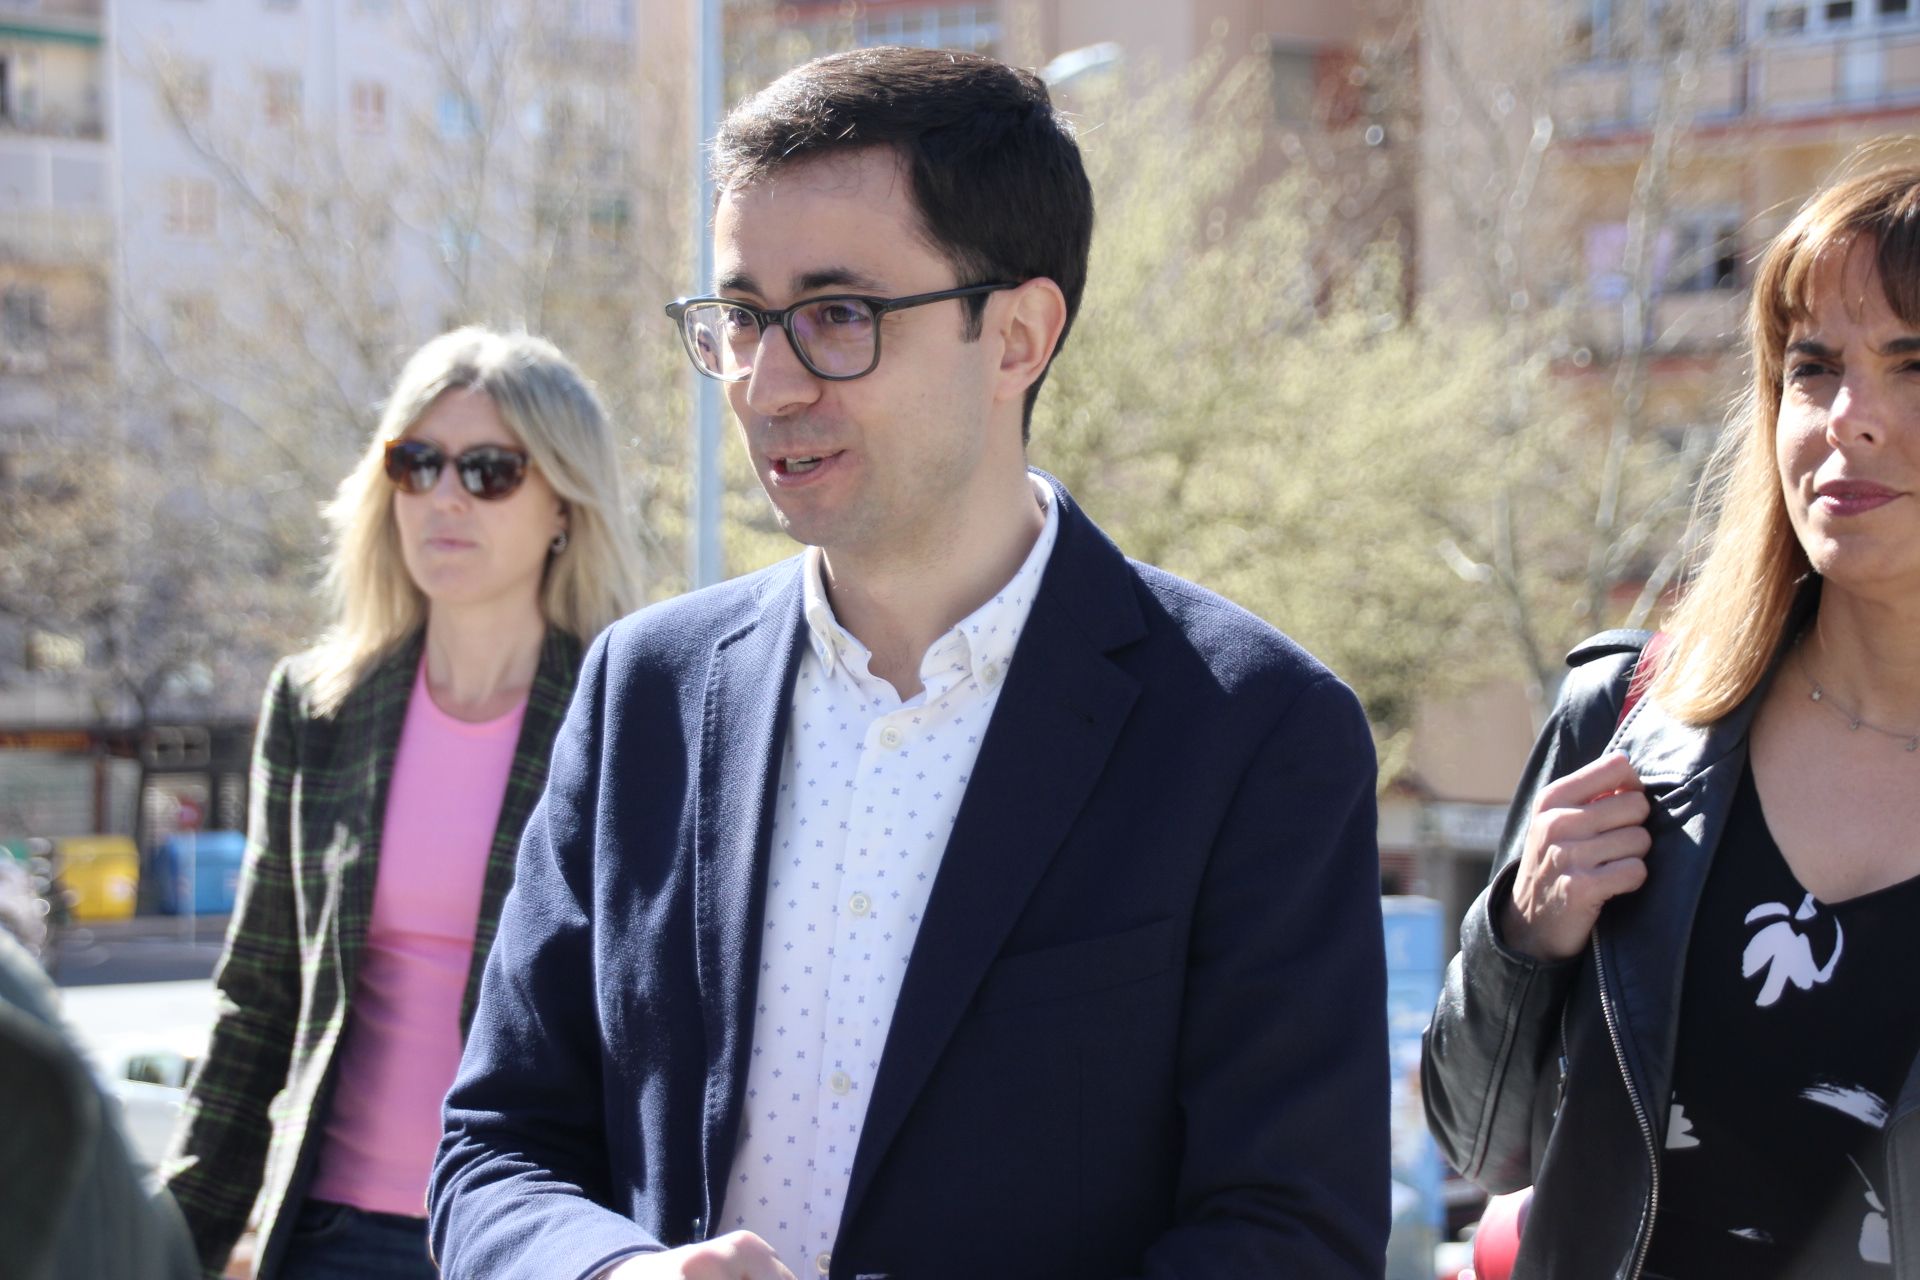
(1645, 668)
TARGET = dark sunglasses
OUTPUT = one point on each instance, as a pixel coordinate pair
(486, 471)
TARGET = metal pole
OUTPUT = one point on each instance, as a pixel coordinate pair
(704, 558)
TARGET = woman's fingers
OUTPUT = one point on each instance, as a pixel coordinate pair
(1609, 774)
(1585, 845)
(1596, 832)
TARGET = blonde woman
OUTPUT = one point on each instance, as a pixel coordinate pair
(1684, 1008)
(478, 545)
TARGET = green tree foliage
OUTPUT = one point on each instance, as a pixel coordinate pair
(1238, 409)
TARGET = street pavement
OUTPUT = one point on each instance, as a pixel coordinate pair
(138, 996)
(140, 949)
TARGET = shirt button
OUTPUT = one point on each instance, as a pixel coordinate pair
(889, 738)
(839, 1082)
(860, 904)
(823, 1263)
(990, 673)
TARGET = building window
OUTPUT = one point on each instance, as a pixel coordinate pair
(23, 319)
(603, 19)
(190, 207)
(280, 97)
(964, 26)
(1695, 253)
(186, 86)
(455, 115)
(1786, 19)
(369, 106)
(607, 218)
(1296, 84)
(1698, 254)
(1832, 17)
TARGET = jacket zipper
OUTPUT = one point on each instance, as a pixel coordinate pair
(1643, 1239)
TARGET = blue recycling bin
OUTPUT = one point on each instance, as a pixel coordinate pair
(200, 872)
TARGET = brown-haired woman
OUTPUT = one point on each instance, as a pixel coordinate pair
(1683, 1008)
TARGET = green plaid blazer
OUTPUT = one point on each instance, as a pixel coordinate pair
(285, 983)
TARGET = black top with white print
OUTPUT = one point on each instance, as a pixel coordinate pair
(1798, 1024)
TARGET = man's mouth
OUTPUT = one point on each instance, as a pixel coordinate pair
(799, 463)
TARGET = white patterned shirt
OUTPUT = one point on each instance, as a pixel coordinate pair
(869, 790)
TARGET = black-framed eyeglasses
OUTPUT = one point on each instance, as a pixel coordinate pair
(487, 471)
(837, 336)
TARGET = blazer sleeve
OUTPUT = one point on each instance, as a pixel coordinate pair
(217, 1159)
(1283, 1056)
(521, 1186)
(1490, 1051)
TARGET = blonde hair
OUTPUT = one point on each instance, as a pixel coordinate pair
(1730, 621)
(545, 401)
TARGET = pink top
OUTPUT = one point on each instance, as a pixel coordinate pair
(402, 1042)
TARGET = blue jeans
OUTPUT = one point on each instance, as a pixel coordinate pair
(339, 1242)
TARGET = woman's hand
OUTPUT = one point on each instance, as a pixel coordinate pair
(1587, 843)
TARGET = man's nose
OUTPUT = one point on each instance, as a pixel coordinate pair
(779, 383)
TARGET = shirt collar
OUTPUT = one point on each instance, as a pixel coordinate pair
(986, 636)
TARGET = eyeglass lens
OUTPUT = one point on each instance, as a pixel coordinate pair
(833, 336)
(486, 471)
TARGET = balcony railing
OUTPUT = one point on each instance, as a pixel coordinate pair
(54, 198)
(1776, 78)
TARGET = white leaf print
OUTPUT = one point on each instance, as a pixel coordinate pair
(1680, 1130)
(1864, 1105)
(1875, 1244)
(1786, 953)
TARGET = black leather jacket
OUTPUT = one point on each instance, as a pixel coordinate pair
(1560, 1074)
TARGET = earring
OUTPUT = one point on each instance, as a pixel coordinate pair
(559, 542)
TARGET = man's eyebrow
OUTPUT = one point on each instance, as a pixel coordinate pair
(1906, 344)
(835, 277)
(736, 282)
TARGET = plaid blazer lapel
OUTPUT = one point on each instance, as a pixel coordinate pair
(373, 714)
(547, 703)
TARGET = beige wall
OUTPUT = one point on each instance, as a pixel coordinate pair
(1473, 747)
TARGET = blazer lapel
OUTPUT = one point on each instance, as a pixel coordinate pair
(1059, 714)
(547, 702)
(379, 707)
(742, 730)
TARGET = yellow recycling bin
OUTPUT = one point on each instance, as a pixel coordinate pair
(101, 872)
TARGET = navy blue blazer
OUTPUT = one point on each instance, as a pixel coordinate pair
(1143, 1028)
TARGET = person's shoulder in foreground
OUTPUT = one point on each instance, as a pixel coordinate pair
(72, 1204)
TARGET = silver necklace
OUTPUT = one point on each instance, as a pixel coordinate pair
(1854, 722)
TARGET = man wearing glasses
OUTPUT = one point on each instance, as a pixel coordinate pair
(957, 899)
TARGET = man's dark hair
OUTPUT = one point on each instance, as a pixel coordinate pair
(994, 170)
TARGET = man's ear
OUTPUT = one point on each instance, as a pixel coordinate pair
(1034, 316)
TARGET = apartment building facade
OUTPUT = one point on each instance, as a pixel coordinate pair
(222, 225)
